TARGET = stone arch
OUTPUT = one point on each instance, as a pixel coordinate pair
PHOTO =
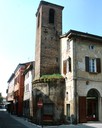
(92, 104)
(93, 92)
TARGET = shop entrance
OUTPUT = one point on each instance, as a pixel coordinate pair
(92, 105)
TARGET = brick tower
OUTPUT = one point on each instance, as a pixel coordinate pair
(48, 30)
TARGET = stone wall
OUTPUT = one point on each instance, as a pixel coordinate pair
(52, 92)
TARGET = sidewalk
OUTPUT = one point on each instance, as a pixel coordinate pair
(32, 125)
(25, 122)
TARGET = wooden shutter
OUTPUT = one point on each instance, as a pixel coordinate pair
(64, 67)
(98, 64)
(87, 64)
(82, 109)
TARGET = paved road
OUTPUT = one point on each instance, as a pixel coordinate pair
(11, 121)
(6, 121)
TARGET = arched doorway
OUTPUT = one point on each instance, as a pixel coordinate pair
(92, 105)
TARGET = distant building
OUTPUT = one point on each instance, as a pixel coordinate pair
(27, 98)
(10, 93)
(16, 90)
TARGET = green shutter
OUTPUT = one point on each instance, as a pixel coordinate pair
(87, 64)
(98, 62)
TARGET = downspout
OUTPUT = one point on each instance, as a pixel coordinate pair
(75, 80)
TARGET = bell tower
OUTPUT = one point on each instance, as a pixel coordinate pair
(48, 30)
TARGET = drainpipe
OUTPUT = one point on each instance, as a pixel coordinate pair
(75, 100)
(75, 81)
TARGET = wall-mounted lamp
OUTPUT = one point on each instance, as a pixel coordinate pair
(87, 82)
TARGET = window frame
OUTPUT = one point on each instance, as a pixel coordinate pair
(92, 65)
(27, 87)
(97, 65)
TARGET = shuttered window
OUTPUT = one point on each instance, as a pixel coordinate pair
(93, 65)
(67, 66)
(87, 63)
(98, 65)
(64, 67)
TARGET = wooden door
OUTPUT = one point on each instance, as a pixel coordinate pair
(82, 109)
(92, 110)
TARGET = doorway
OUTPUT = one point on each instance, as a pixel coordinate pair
(92, 105)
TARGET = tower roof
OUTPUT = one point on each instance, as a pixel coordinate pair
(48, 3)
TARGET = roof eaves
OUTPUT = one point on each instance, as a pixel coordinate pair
(11, 77)
(73, 33)
(29, 67)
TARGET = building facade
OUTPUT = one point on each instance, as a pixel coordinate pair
(10, 93)
(68, 74)
(19, 89)
(27, 98)
(15, 91)
(81, 55)
(48, 87)
(78, 56)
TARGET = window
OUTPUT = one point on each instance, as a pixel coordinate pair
(51, 16)
(27, 75)
(93, 65)
(17, 79)
(68, 111)
(68, 45)
(67, 66)
(64, 67)
(27, 88)
(67, 96)
(91, 47)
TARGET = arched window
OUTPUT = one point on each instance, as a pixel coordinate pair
(51, 16)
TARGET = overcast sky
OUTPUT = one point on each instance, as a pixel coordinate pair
(18, 25)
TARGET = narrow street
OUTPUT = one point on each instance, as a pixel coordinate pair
(11, 121)
(6, 121)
